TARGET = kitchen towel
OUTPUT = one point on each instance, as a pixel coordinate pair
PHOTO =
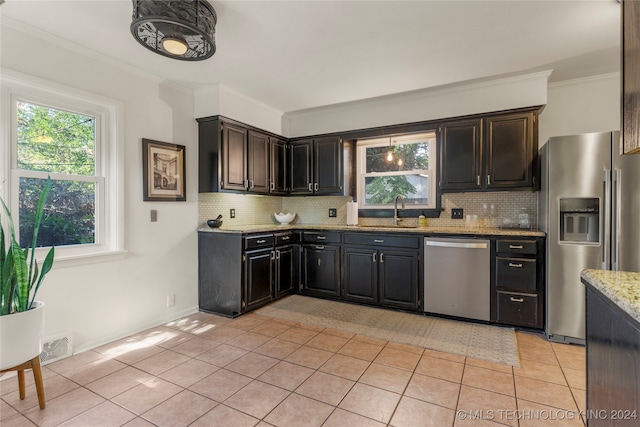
(352, 213)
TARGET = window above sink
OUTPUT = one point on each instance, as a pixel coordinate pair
(397, 165)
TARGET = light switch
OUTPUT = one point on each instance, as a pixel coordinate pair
(154, 215)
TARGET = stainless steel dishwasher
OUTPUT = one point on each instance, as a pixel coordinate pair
(457, 277)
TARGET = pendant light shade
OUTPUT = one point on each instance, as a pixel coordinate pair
(179, 29)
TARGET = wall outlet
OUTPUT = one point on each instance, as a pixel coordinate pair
(333, 212)
(457, 213)
(171, 300)
(154, 215)
(232, 213)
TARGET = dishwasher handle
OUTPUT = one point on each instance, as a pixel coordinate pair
(467, 245)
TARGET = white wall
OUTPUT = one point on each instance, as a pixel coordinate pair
(451, 101)
(581, 106)
(221, 100)
(101, 301)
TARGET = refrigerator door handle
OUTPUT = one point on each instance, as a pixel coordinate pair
(616, 219)
(606, 230)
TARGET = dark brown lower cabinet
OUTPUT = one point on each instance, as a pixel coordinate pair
(321, 270)
(283, 271)
(613, 363)
(258, 278)
(386, 277)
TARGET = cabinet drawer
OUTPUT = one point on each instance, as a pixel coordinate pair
(318, 237)
(516, 246)
(518, 309)
(258, 241)
(516, 273)
(283, 238)
(382, 240)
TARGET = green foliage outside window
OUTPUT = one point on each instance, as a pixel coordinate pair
(57, 141)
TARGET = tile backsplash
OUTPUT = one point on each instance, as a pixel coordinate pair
(253, 209)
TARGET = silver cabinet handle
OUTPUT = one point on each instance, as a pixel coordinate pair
(261, 241)
(272, 186)
(381, 257)
(515, 246)
(286, 237)
(245, 183)
(320, 247)
(273, 255)
(513, 264)
(277, 254)
(321, 237)
(478, 180)
(516, 299)
(310, 187)
(315, 187)
(251, 183)
(488, 179)
(374, 257)
(378, 241)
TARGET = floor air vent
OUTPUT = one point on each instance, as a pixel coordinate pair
(56, 348)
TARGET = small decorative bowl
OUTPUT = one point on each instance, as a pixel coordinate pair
(214, 223)
(283, 218)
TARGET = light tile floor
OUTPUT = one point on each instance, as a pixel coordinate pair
(206, 370)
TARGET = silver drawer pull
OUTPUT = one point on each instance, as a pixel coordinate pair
(261, 241)
(515, 247)
(516, 299)
(513, 264)
(378, 240)
(286, 238)
(320, 247)
(321, 237)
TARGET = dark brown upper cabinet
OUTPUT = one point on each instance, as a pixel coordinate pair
(630, 76)
(232, 157)
(279, 167)
(492, 153)
(258, 163)
(316, 166)
(461, 155)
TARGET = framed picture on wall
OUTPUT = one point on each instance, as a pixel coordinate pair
(163, 171)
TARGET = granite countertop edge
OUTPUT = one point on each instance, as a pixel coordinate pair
(621, 287)
(270, 228)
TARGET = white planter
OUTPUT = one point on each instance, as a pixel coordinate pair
(21, 336)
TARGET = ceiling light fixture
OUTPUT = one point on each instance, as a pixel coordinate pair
(179, 29)
(389, 153)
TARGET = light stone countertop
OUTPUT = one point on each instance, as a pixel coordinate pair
(411, 230)
(621, 287)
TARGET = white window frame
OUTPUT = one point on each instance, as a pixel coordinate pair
(362, 145)
(109, 171)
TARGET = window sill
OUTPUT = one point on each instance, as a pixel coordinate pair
(63, 261)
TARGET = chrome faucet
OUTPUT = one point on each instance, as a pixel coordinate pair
(396, 220)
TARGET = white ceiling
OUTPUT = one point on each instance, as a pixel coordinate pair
(294, 55)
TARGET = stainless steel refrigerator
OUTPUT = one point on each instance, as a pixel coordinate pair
(589, 206)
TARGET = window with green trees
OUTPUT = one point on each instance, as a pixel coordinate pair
(402, 165)
(64, 145)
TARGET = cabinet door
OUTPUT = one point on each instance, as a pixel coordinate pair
(321, 270)
(258, 278)
(258, 162)
(327, 165)
(301, 167)
(279, 163)
(399, 278)
(509, 140)
(630, 69)
(360, 275)
(234, 160)
(284, 270)
(518, 309)
(461, 155)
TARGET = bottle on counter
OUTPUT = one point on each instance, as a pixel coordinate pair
(422, 220)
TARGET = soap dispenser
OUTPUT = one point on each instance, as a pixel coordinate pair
(422, 220)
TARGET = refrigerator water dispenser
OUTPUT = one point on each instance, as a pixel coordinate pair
(580, 220)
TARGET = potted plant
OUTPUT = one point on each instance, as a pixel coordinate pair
(21, 316)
